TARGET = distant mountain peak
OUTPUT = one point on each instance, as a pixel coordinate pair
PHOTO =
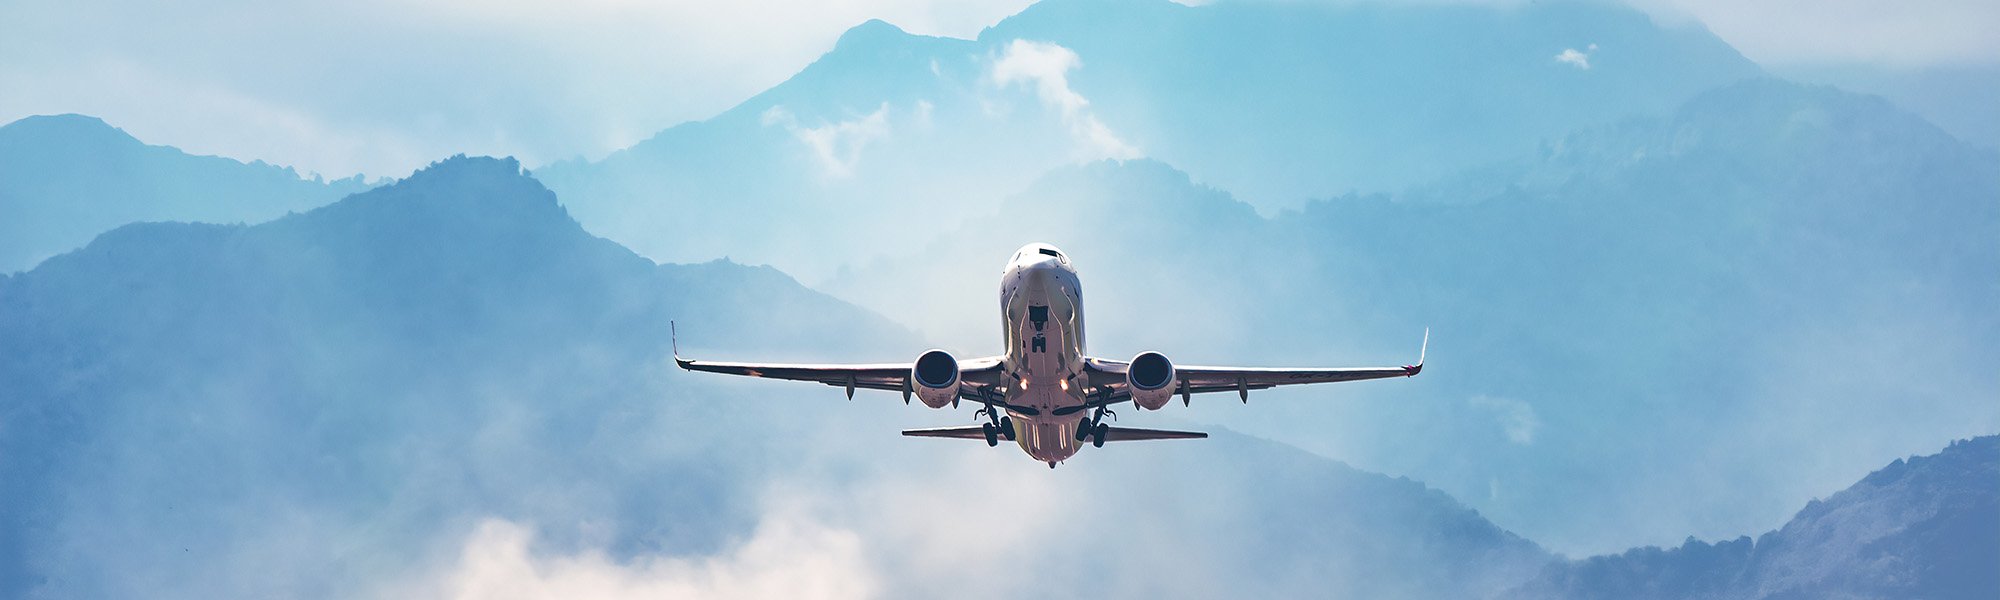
(868, 34)
(68, 127)
(460, 166)
(478, 200)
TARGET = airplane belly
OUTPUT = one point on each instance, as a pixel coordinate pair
(1047, 441)
(1041, 310)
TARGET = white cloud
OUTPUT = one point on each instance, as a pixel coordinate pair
(851, 538)
(1045, 68)
(1580, 60)
(837, 146)
(786, 557)
(1516, 418)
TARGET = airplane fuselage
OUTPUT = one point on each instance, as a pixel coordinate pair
(1041, 311)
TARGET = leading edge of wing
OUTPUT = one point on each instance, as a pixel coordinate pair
(1199, 374)
(875, 376)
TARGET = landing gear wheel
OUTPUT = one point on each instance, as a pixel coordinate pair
(991, 439)
(1083, 429)
(1007, 428)
(1098, 433)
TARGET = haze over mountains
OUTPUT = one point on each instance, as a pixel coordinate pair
(1671, 297)
(891, 135)
(66, 178)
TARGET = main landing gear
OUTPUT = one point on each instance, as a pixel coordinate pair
(1093, 428)
(995, 430)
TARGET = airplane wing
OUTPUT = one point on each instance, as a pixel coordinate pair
(977, 375)
(1107, 377)
(1112, 434)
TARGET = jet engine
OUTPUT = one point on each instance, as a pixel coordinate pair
(935, 378)
(1150, 377)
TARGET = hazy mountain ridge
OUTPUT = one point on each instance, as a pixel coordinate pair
(1960, 98)
(1925, 528)
(360, 373)
(66, 178)
(1365, 96)
(891, 135)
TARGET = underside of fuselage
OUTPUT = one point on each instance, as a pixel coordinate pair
(1042, 313)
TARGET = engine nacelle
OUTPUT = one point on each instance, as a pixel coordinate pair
(934, 378)
(1150, 377)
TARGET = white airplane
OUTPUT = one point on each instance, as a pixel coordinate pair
(1055, 397)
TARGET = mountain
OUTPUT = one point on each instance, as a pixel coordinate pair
(347, 401)
(892, 136)
(1926, 528)
(1767, 263)
(66, 178)
(223, 409)
(1959, 98)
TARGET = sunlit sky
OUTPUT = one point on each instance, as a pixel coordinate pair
(382, 87)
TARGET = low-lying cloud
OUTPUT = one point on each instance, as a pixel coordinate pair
(885, 533)
(787, 556)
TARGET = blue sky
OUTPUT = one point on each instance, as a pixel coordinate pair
(384, 87)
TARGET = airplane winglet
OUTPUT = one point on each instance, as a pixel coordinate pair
(1413, 370)
(674, 341)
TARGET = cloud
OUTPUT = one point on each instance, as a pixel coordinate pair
(837, 146)
(1581, 60)
(845, 537)
(1045, 67)
(787, 556)
(1517, 419)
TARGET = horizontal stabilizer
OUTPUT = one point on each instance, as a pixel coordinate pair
(1129, 434)
(1114, 434)
(963, 433)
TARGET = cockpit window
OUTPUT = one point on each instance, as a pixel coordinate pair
(1051, 252)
